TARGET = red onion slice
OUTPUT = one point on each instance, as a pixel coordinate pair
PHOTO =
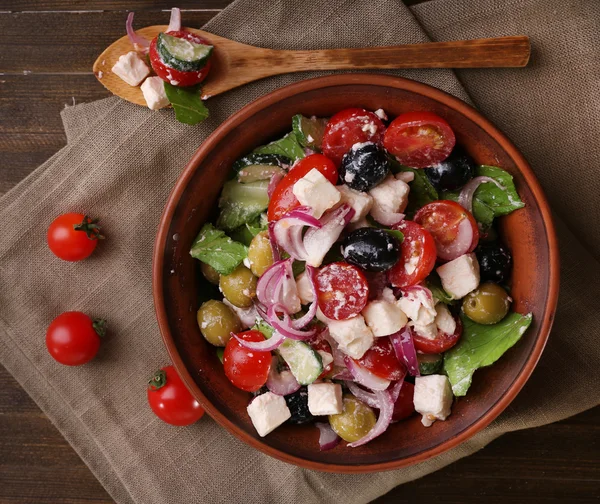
(285, 326)
(139, 43)
(273, 241)
(339, 359)
(328, 439)
(416, 289)
(247, 316)
(283, 383)
(460, 245)
(288, 231)
(465, 198)
(175, 21)
(266, 345)
(268, 282)
(275, 179)
(396, 388)
(319, 240)
(405, 350)
(386, 411)
(368, 398)
(364, 377)
(343, 374)
(312, 309)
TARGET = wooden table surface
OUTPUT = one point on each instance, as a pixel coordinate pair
(46, 53)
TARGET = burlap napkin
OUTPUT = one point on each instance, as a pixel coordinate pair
(122, 160)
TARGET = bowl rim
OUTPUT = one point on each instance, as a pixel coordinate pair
(333, 81)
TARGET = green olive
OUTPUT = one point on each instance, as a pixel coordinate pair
(239, 287)
(210, 273)
(217, 321)
(355, 420)
(488, 304)
(260, 253)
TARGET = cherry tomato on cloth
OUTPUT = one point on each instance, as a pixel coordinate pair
(342, 290)
(320, 343)
(441, 342)
(177, 77)
(283, 199)
(246, 369)
(73, 236)
(381, 360)
(73, 338)
(417, 255)
(453, 228)
(419, 139)
(170, 400)
(348, 127)
(404, 406)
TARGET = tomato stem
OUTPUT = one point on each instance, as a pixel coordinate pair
(158, 380)
(90, 227)
(99, 326)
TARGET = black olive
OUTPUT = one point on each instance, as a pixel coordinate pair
(298, 406)
(364, 166)
(454, 172)
(494, 262)
(371, 249)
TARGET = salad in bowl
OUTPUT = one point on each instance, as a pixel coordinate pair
(361, 279)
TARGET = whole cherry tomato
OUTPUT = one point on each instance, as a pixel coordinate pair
(73, 236)
(404, 406)
(246, 369)
(170, 399)
(442, 342)
(73, 338)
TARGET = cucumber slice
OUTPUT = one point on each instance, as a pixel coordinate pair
(430, 363)
(305, 363)
(309, 130)
(182, 54)
(242, 203)
(287, 146)
(257, 172)
(261, 159)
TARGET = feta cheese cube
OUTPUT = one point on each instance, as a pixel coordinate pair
(444, 319)
(353, 336)
(325, 398)
(418, 306)
(433, 398)
(384, 318)
(131, 68)
(315, 191)
(361, 202)
(389, 197)
(428, 331)
(267, 412)
(153, 89)
(326, 358)
(387, 294)
(460, 276)
(305, 292)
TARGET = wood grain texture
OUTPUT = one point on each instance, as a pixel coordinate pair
(555, 464)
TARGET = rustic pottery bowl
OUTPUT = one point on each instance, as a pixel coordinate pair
(179, 288)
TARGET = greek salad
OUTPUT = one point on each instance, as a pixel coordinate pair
(360, 275)
(168, 68)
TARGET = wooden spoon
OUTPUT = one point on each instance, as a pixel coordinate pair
(236, 64)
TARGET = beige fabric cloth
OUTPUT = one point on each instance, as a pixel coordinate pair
(122, 160)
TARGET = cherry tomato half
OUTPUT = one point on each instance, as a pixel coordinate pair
(440, 343)
(73, 236)
(283, 199)
(348, 127)
(342, 290)
(419, 139)
(170, 400)
(177, 77)
(404, 406)
(417, 255)
(246, 369)
(453, 228)
(381, 360)
(73, 338)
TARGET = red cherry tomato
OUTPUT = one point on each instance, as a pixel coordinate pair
(348, 127)
(73, 338)
(417, 256)
(73, 236)
(404, 406)
(342, 290)
(320, 343)
(381, 360)
(419, 139)
(283, 199)
(170, 399)
(440, 343)
(246, 369)
(453, 228)
(177, 77)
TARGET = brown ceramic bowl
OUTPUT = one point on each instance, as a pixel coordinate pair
(529, 233)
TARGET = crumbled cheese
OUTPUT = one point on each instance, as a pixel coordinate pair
(381, 114)
(131, 68)
(419, 306)
(305, 291)
(444, 320)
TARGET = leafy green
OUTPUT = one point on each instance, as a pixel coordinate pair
(309, 131)
(287, 146)
(260, 159)
(215, 248)
(264, 328)
(480, 346)
(434, 284)
(220, 352)
(246, 232)
(187, 103)
(242, 203)
(396, 234)
(421, 190)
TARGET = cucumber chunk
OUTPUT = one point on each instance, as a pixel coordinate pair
(309, 130)
(305, 363)
(261, 159)
(181, 54)
(430, 363)
(257, 172)
(242, 203)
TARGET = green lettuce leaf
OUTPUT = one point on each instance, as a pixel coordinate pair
(187, 103)
(244, 234)
(287, 146)
(480, 346)
(215, 248)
